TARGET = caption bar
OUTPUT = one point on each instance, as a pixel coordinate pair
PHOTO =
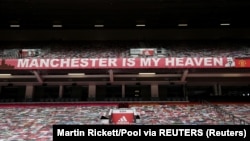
(174, 131)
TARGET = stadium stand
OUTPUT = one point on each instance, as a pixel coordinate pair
(121, 49)
(170, 62)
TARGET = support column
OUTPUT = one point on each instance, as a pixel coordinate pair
(123, 91)
(154, 91)
(184, 88)
(29, 92)
(219, 90)
(215, 89)
(60, 91)
(92, 91)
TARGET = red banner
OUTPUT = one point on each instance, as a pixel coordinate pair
(108, 63)
(148, 52)
(122, 116)
(242, 63)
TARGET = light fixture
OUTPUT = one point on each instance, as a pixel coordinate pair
(98, 25)
(140, 25)
(14, 25)
(182, 24)
(148, 73)
(57, 26)
(76, 74)
(225, 24)
(7, 74)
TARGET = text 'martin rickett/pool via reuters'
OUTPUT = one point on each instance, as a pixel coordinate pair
(180, 132)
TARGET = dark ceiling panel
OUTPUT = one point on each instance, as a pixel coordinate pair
(122, 13)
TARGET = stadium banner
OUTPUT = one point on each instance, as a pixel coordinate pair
(143, 51)
(29, 52)
(123, 63)
(193, 132)
(122, 116)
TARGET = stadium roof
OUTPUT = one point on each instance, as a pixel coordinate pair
(124, 13)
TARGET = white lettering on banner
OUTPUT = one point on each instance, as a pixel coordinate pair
(64, 63)
(34, 63)
(119, 63)
(112, 62)
(218, 61)
(145, 62)
(208, 61)
(84, 63)
(169, 61)
(128, 62)
(131, 62)
(44, 62)
(104, 62)
(22, 63)
(156, 61)
(124, 60)
(194, 62)
(74, 63)
(149, 61)
(189, 62)
(94, 62)
(198, 61)
(179, 62)
(54, 63)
